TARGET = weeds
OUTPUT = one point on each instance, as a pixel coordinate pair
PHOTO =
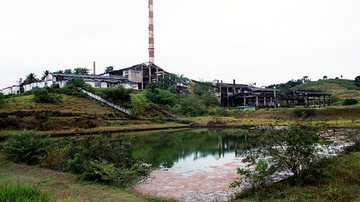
(20, 193)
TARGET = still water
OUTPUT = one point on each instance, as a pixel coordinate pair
(191, 150)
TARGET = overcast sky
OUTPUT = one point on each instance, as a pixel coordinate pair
(261, 41)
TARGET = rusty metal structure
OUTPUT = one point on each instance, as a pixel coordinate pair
(233, 95)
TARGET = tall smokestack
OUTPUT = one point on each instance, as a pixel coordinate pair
(94, 67)
(151, 32)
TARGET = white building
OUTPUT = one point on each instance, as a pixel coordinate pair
(15, 89)
(94, 80)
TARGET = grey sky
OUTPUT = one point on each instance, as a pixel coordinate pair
(262, 41)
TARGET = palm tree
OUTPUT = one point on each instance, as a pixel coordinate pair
(30, 78)
(45, 74)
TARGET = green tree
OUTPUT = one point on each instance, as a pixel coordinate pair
(45, 74)
(2, 99)
(26, 146)
(140, 104)
(30, 78)
(72, 87)
(357, 81)
(109, 69)
(81, 71)
(117, 94)
(294, 149)
(68, 71)
(42, 95)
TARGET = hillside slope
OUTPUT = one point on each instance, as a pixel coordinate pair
(339, 88)
(74, 112)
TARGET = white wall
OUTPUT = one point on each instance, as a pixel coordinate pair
(6, 91)
(41, 84)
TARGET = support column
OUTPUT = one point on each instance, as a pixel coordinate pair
(257, 101)
(264, 101)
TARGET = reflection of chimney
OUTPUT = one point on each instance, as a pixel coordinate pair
(94, 68)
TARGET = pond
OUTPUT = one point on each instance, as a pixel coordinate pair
(191, 150)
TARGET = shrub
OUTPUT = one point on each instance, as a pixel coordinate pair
(357, 81)
(42, 95)
(97, 159)
(293, 149)
(335, 100)
(99, 171)
(304, 113)
(160, 96)
(26, 146)
(22, 193)
(140, 104)
(348, 102)
(117, 94)
(210, 99)
(192, 105)
(71, 87)
(2, 99)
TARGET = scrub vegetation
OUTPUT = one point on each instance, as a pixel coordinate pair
(18, 192)
(97, 159)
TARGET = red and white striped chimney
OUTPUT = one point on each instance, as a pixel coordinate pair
(151, 32)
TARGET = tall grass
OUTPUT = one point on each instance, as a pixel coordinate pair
(20, 193)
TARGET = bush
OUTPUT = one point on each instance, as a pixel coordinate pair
(42, 95)
(293, 149)
(22, 193)
(97, 159)
(357, 81)
(100, 171)
(117, 94)
(26, 146)
(348, 102)
(140, 104)
(2, 99)
(304, 113)
(71, 87)
(191, 105)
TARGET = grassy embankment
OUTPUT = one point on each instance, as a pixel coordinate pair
(74, 116)
(63, 186)
(340, 181)
(339, 88)
(334, 116)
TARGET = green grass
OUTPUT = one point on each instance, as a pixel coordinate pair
(63, 186)
(340, 181)
(19, 193)
(340, 88)
(70, 104)
(334, 116)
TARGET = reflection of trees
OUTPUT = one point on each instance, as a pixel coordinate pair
(166, 148)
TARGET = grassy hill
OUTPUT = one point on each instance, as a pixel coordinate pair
(70, 104)
(339, 88)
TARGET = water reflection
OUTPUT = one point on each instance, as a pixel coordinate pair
(191, 149)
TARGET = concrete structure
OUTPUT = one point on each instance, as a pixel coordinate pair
(11, 90)
(94, 81)
(141, 74)
(232, 94)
